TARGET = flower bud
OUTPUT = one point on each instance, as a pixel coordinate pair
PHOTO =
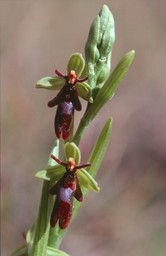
(107, 32)
(91, 50)
(99, 46)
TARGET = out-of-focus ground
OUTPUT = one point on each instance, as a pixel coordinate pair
(128, 216)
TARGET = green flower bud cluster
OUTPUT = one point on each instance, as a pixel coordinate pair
(99, 46)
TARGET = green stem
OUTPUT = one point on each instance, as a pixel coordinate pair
(80, 130)
(42, 229)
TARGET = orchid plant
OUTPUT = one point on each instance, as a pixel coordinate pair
(68, 179)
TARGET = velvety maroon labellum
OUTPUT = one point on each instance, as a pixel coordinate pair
(63, 119)
(65, 189)
(67, 101)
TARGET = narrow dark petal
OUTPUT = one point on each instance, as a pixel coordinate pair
(83, 79)
(59, 73)
(78, 193)
(58, 161)
(82, 166)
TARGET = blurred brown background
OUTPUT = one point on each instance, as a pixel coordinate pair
(128, 216)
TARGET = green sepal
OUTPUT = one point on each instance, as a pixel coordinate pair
(86, 180)
(84, 91)
(51, 173)
(21, 251)
(71, 150)
(55, 252)
(76, 63)
(50, 83)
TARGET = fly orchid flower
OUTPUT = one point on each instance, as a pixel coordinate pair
(67, 101)
(71, 86)
(65, 189)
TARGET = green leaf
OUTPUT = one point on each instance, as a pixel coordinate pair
(71, 150)
(110, 86)
(76, 63)
(50, 83)
(100, 147)
(53, 173)
(30, 234)
(55, 252)
(84, 91)
(86, 180)
(21, 251)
